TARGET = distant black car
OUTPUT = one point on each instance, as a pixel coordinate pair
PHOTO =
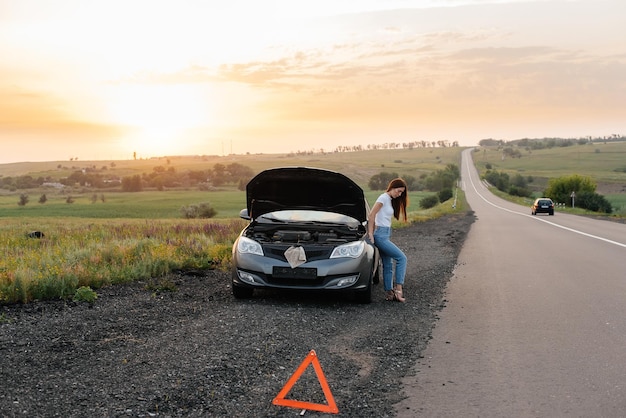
(307, 231)
(542, 205)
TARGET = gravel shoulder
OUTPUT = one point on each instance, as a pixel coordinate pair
(198, 352)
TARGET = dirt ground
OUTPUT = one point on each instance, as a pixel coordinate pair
(195, 351)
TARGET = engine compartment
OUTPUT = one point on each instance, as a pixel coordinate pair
(298, 235)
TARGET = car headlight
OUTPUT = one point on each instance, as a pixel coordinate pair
(351, 250)
(248, 246)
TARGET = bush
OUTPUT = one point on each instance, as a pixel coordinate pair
(23, 200)
(499, 180)
(381, 180)
(202, 210)
(445, 194)
(85, 294)
(443, 179)
(429, 201)
(593, 202)
(519, 191)
(560, 189)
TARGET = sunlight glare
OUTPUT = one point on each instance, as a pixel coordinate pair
(159, 117)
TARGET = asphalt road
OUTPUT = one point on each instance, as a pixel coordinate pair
(535, 318)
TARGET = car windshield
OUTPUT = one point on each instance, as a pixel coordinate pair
(309, 216)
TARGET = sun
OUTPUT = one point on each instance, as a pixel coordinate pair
(159, 118)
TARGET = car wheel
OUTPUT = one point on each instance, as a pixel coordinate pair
(552, 213)
(240, 292)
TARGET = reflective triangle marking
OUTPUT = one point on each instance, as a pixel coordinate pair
(280, 398)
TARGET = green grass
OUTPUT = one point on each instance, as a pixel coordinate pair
(132, 236)
(145, 205)
(618, 201)
(142, 205)
(93, 253)
(604, 163)
(90, 253)
(359, 166)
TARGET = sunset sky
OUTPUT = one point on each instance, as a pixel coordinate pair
(102, 79)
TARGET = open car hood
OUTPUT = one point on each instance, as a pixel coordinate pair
(290, 188)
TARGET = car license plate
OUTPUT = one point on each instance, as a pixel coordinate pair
(297, 273)
(544, 206)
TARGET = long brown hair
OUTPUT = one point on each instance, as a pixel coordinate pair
(401, 202)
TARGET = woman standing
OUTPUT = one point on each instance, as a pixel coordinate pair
(392, 203)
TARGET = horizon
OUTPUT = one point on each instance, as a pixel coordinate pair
(103, 80)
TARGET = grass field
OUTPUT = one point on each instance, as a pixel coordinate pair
(139, 205)
(142, 205)
(359, 166)
(95, 242)
(604, 163)
(106, 237)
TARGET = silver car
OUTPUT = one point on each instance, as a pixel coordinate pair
(307, 231)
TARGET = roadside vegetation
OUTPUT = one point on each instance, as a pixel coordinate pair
(63, 255)
(65, 242)
(67, 236)
(584, 176)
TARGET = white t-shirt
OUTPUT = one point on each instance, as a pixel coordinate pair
(384, 215)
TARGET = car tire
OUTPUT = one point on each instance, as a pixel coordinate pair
(240, 292)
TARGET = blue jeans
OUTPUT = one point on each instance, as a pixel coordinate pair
(389, 253)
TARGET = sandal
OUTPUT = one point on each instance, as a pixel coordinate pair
(391, 295)
(397, 296)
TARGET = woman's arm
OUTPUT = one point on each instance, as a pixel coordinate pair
(371, 220)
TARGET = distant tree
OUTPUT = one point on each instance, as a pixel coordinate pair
(381, 180)
(443, 179)
(69, 200)
(560, 189)
(498, 179)
(23, 200)
(411, 182)
(43, 198)
(519, 186)
(132, 183)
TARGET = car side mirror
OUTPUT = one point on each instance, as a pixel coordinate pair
(243, 214)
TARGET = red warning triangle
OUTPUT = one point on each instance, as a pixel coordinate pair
(280, 398)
